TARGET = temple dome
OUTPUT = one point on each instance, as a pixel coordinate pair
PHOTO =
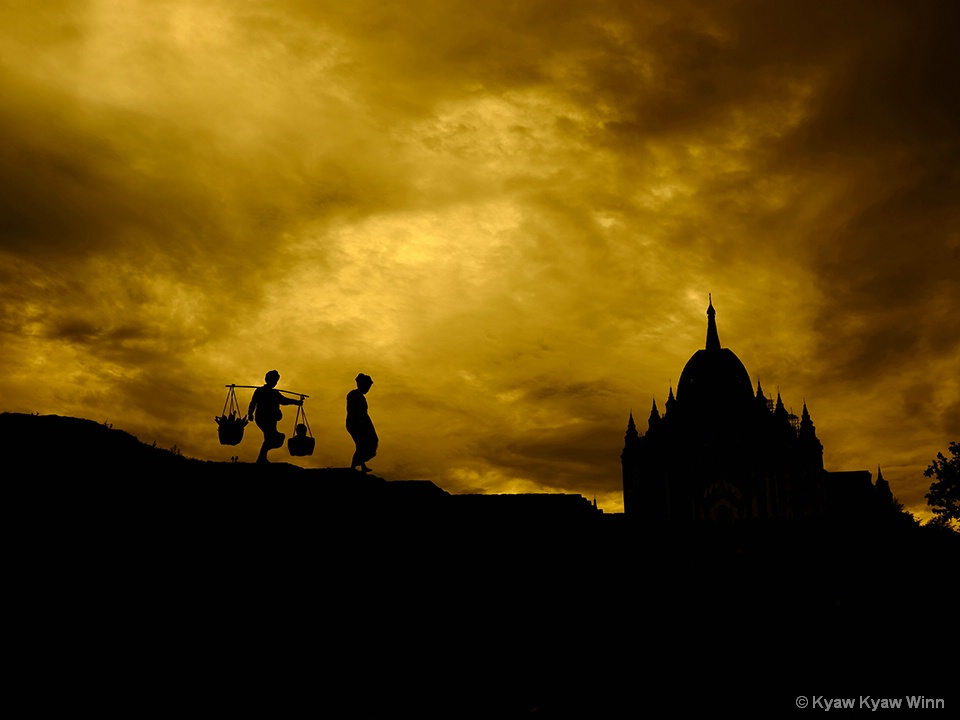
(716, 378)
(714, 381)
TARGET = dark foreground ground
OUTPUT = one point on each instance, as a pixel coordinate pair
(152, 583)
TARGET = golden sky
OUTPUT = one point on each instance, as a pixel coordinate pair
(509, 214)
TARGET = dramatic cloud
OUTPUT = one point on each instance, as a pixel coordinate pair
(509, 214)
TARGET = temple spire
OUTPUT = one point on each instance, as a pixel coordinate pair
(631, 439)
(713, 337)
(883, 489)
(780, 410)
(807, 428)
(654, 419)
(761, 399)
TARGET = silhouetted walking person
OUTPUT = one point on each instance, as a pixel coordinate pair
(359, 424)
(266, 404)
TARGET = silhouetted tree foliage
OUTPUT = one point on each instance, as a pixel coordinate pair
(944, 495)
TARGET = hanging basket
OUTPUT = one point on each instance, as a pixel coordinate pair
(302, 442)
(232, 422)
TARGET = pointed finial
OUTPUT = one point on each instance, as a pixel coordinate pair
(713, 337)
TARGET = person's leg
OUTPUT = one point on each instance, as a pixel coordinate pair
(269, 431)
(369, 451)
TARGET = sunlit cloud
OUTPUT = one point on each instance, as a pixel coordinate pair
(510, 215)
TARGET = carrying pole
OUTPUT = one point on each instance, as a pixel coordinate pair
(255, 387)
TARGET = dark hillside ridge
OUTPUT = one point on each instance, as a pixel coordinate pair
(246, 584)
(70, 449)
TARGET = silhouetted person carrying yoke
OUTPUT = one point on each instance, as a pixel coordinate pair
(266, 404)
(359, 424)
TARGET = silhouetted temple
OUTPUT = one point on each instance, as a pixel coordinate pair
(724, 452)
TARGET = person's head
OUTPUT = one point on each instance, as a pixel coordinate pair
(272, 378)
(364, 382)
(301, 429)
